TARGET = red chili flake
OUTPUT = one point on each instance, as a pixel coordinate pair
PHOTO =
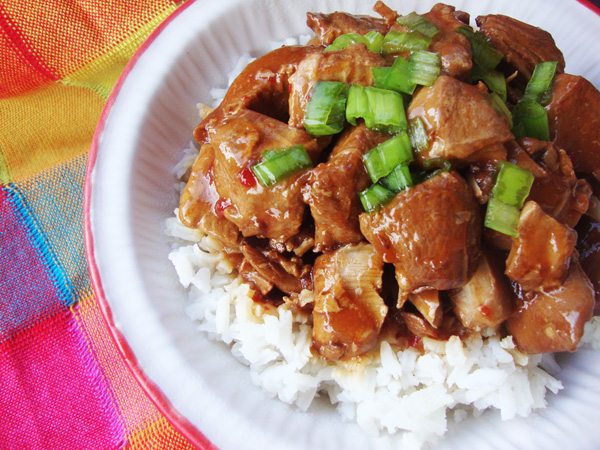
(414, 341)
(485, 311)
(220, 206)
(247, 177)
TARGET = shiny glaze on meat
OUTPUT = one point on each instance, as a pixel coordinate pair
(348, 312)
(333, 186)
(460, 122)
(412, 233)
(422, 265)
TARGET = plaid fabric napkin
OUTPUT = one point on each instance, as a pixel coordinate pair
(63, 383)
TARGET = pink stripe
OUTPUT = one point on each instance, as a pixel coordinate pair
(53, 394)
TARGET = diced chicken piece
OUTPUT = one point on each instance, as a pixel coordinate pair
(430, 233)
(348, 311)
(461, 124)
(575, 122)
(522, 45)
(198, 200)
(559, 193)
(553, 321)
(487, 299)
(454, 48)
(428, 304)
(239, 140)
(262, 87)
(327, 27)
(541, 254)
(350, 65)
(332, 189)
(290, 275)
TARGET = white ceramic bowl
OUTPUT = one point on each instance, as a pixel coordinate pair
(149, 118)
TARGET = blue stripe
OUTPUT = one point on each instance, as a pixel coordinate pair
(57, 274)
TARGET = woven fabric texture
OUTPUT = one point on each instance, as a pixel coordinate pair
(63, 382)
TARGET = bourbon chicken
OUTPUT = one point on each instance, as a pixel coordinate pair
(448, 215)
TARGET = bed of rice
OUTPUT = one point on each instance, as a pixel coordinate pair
(391, 390)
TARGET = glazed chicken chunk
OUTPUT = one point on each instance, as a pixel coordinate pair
(541, 254)
(553, 321)
(348, 310)
(412, 232)
(239, 140)
(333, 186)
(575, 123)
(460, 122)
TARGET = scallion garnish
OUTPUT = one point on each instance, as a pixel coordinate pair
(382, 109)
(424, 67)
(384, 158)
(375, 196)
(509, 192)
(484, 55)
(417, 22)
(418, 135)
(398, 179)
(530, 120)
(540, 82)
(513, 184)
(281, 164)
(372, 40)
(499, 105)
(502, 217)
(325, 110)
(397, 77)
(493, 79)
(357, 104)
(399, 42)
(386, 111)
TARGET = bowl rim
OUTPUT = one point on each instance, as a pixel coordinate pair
(150, 388)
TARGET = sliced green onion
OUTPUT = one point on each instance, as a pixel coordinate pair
(493, 79)
(513, 184)
(398, 77)
(540, 82)
(530, 120)
(386, 111)
(375, 196)
(344, 41)
(424, 67)
(382, 109)
(381, 160)
(484, 55)
(325, 110)
(357, 104)
(418, 135)
(372, 40)
(281, 163)
(502, 217)
(499, 105)
(417, 22)
(398, 179)
(399, 42)
(438, 165)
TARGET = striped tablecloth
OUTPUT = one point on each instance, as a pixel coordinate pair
(63, 382)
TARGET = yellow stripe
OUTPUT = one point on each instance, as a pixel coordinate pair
(101, 74)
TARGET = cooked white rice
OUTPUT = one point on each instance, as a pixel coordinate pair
(390, 391)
